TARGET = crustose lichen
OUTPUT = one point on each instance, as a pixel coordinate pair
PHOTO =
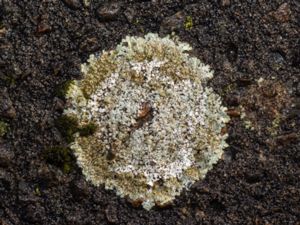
(158, 125)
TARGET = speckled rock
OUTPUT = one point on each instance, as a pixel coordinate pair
(6, 106)
(109, 11)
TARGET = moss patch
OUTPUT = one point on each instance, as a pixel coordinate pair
(87, 129)
(67, 126)
(61, 157)
(62, 89)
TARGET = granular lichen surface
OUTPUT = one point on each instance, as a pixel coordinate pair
(159, 126)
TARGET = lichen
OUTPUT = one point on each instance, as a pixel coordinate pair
(158, 126)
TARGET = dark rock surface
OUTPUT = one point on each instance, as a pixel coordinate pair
(109, 11)
(6, 106)
(42, 45)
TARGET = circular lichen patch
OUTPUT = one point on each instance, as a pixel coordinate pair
(158, 125)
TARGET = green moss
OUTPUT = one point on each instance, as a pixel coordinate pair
(3, 128)
(67, 167)
(68, 126)
(62, 89)
(88, 129)
(61, 157)
(188, 23)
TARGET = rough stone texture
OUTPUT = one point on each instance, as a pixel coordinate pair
(73, 4)
(283, 13)
(109, 11)
(6, 156)
(6, 106)
(258, 183)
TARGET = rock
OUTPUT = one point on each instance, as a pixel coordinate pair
(109, 11)
(87, 3)
(287, 138)
(244, 79)
(172, 23)
(6, 182)
(283, 13)
(227, 156)
(111, 214)
(6, 106)
(232, 52)
(2, 31)
(74, 218)
(72, 4)
(79, 189)
(199, 215)
(13, 218)
(6, 156)
(47, 176)
(233, 99)
(248, 66)
(23, 187)
(26, 193)
(233, 113)
(225, 3)
(43, 27)
(276, 60)
(90, 44)
(298, 89)
(227, 66)
(58, 104)
(129, 14)
(33, 213)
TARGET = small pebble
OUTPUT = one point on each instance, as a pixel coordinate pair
(6, 156)
(233, 113)
(172, 23)
(111, 214)
(283, 13)
(287, 138)
(109, 11)
(129, 14)
(276, 60)
(79, 189)
(6, 106)
(43, 27)
(72, 4)
(298, 89)
(225, 3)
(89, 45)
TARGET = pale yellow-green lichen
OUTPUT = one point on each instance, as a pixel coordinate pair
(158, 125)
